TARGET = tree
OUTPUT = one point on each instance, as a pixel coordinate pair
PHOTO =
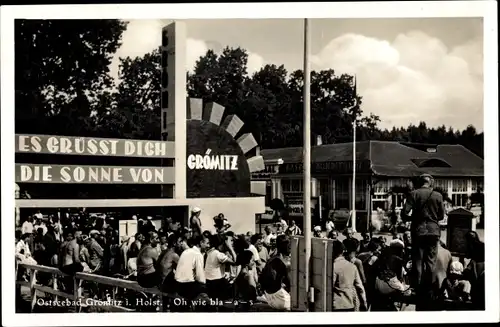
(61, 71)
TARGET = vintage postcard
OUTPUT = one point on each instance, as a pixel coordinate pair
(167, 162)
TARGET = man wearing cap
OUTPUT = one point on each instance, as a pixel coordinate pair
(195, 222)
(424, 208)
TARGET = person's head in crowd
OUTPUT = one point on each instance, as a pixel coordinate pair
(94, 234)
(140, 237)
(248, 237)
(68, 235)
(351, 247)
(268, 230)
(78, 235)
(426, 180)
(196, 212)
(174, 242)
(29, 219)
(407, 238)
(272, 241)
(19, 234)
(471, 239)
(39, 231)
(240, 243)
(200, 242)
(245, 260)
(456, 269)
(383, 241)
(283, 245)
(334, 235)
(163, 239)
(218, 242)
(25, 237)
(257, 241)
(151, 239)
(206, 234)
(374, 247)
(182, 243)
(397, 247)
(293, 223)
(349, 233)
(337, 249)
(366, 236)
(317, 231)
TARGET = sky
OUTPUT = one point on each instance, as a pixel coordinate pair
(408, 70)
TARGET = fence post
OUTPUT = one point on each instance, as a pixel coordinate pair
(32, 288)
(325, 275)
(76, 293)
(54, 286)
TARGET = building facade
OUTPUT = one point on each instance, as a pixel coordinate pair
(383, 169)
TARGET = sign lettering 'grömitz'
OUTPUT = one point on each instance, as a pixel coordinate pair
(217, 165)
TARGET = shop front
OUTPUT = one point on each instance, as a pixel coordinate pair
(384, 170)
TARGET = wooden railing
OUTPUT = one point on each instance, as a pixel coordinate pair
(77, 298)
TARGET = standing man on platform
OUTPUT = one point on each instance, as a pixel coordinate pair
(195, 222)
(424, 208)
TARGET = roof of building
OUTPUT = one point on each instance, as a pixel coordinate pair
(392, 158)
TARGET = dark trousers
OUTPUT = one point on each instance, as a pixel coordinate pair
(149, 280)
(190, 290)
(218, 289)
(424, 257)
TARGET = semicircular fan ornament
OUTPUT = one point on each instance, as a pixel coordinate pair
(232, 124)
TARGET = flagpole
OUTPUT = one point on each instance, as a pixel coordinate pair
(353, 196)
(307, 160)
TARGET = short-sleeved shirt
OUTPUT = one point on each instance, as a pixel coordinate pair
(214, 265)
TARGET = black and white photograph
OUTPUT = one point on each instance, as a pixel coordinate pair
(281, 158)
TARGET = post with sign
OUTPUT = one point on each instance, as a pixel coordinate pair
(173, 102)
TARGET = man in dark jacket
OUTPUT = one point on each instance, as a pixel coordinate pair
(424, 207)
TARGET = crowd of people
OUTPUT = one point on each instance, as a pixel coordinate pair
(189, 262)
(193, 263)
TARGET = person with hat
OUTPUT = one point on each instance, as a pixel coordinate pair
(424, 208)
(195, 222)
(317, 232)
(96, 252)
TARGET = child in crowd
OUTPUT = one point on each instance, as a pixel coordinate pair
(455, 287)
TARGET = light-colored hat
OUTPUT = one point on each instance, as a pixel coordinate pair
(196, 210)
(94, 231)
(149, 217)
(134, 217)
(456, 268)
(317, 228)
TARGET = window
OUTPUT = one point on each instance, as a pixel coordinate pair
(382, 187)
(382, 192)
(342, 194)
(379, 201)
(442, 184)
(269, 192)
(324, 191)
(361, 186)
(292, 186)
(459, 195)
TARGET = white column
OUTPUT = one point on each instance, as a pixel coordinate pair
(174, 104)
